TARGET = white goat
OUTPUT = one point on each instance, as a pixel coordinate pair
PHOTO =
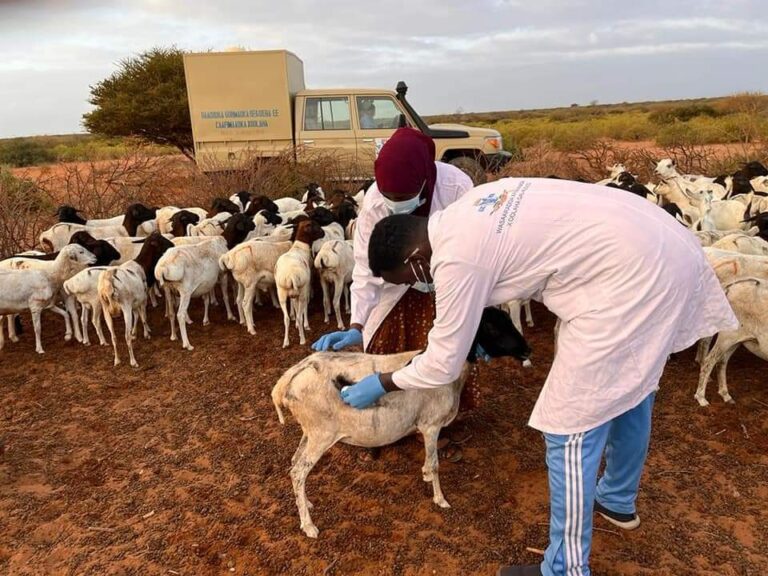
(332, 231)
(58, 235)
(252, 265)
(71, 259)
(124, 289)
(212, 226)
(165, 214)
(749, 299)
(192, 271)
(22, 290)
(310, 391)
(293, 276)
(288, 204)
(335, 262)
(743, 244)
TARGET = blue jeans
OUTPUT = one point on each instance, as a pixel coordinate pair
(573, 461)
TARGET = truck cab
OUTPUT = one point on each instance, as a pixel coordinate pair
(263, 90)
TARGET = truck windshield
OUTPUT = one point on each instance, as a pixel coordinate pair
(330, 113)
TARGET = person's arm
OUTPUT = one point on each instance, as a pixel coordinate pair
(365, 289)
(463, 290)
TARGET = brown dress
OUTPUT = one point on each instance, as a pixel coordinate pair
(406, 328)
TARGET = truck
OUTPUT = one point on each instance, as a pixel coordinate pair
(255, 103)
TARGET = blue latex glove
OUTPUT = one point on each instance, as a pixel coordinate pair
(481, 353)
(364, 393)
(338, 340)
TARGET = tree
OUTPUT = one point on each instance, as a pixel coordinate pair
(146, 98)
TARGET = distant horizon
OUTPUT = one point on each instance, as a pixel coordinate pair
(483, 55)
(454, 113)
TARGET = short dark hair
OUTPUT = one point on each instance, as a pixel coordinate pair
(391, 242)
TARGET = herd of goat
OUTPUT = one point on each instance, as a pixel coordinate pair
(272, 248)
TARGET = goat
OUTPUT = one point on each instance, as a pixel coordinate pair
(181, 221)
(220, 205)
(212, 226)
(165, 214)
(310, 391)
(134, 219)
(285, 205)
(293, 275)
(124, 289)
(514, 309)
(192, 270)
(57, 236)
(748, 297)
(252, 265)
(241, 199)
(259, 203)
(70, 260)
(335, 261)
(22, 290)
(743, 244)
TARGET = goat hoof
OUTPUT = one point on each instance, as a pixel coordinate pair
(14, 340)
(41, 351)
(173, 338)
(252, 332)
(206, 322)
(311, 530)
(442, 502)
(67, 337)
(134, 364)
(702, 401)
(728, 399)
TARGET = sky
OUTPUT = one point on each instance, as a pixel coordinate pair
(473, 55)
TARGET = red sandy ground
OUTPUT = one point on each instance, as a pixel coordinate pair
(181, 467)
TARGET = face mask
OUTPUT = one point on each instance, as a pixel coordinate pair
(422, 285)
(405, 206)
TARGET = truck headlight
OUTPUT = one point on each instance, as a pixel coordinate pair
(494, 142)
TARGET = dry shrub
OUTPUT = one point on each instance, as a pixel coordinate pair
(275, 177)
(25, 211)
(29, 198)
(541, 160)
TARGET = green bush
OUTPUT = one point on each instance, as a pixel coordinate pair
(21, 152)
(684, 113)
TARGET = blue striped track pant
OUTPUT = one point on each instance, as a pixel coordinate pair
(573, 461)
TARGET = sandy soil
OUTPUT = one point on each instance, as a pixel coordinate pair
(181, 467)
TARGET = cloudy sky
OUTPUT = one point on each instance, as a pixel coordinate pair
(477, 55)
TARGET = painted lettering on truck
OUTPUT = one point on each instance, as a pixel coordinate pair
(254, 113)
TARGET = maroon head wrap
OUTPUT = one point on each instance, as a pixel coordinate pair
(405, 163)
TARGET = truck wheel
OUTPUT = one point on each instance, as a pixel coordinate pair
(471, 168)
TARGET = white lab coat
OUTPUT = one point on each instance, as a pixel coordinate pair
(630, 284)
(372, 298)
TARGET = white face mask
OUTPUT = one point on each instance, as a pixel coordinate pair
(422, 285)
(405, 206)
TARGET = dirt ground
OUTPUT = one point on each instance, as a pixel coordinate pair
(181, 467)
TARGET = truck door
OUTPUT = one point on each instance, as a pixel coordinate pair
(326, 126)
(376, 118)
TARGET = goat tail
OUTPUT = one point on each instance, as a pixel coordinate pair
(280, 390)
(225, 263)
(278, 394)
(106, 291)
